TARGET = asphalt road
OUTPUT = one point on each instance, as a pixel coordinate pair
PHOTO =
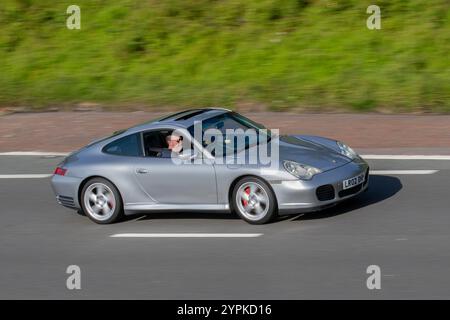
(401, 224)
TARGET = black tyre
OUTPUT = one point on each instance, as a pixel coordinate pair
(254, 201)
(101, 201)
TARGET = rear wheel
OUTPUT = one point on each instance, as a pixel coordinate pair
(254, 201)
(101, 201)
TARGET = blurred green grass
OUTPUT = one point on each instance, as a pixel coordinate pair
(283, 54)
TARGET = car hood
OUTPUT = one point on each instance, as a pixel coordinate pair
(303, 150)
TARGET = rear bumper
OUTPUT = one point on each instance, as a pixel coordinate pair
(299, 196)
(66, 190)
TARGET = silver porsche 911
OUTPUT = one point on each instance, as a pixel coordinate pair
(146, 169)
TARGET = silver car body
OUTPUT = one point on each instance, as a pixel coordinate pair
(157, 184)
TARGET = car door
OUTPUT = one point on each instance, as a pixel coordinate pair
(168, 183)
(177, 182)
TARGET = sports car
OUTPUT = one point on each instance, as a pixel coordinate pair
(136, 171)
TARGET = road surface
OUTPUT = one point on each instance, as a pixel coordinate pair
(401, 225)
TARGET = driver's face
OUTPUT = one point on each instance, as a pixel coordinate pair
(173, 141)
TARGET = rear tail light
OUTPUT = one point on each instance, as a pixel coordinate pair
(60, 171)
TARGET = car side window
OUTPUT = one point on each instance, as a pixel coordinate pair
(156, 145)
(126, 146)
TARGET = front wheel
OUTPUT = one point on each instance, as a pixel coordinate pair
(101, 201)
(254, 201)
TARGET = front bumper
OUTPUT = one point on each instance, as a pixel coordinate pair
(297, 196)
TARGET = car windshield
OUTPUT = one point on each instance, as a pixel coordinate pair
(233, 121)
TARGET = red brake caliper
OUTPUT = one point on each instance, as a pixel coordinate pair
(247, 191)
(110, 204)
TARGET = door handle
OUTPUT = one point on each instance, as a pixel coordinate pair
(141, 170)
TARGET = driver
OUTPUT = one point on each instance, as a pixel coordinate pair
(174, 143)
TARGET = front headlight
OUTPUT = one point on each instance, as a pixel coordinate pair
(301, 171)
(347, 151)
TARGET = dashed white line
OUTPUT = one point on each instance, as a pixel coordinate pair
(25, 176)
(33, 153)
(396, 172)
(186, 235)
(373, 172)
(404, 157)
(365, 156)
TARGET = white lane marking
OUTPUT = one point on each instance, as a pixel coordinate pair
(186, 235)
(395, 172)
(33, 153)
(365, 156)
(25, 176)
(373, 172)
(404, 157)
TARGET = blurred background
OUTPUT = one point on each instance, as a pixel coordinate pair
(295, 55)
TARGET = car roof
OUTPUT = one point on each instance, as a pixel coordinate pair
(182, 119)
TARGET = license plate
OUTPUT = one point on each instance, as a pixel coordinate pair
(353, 181)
